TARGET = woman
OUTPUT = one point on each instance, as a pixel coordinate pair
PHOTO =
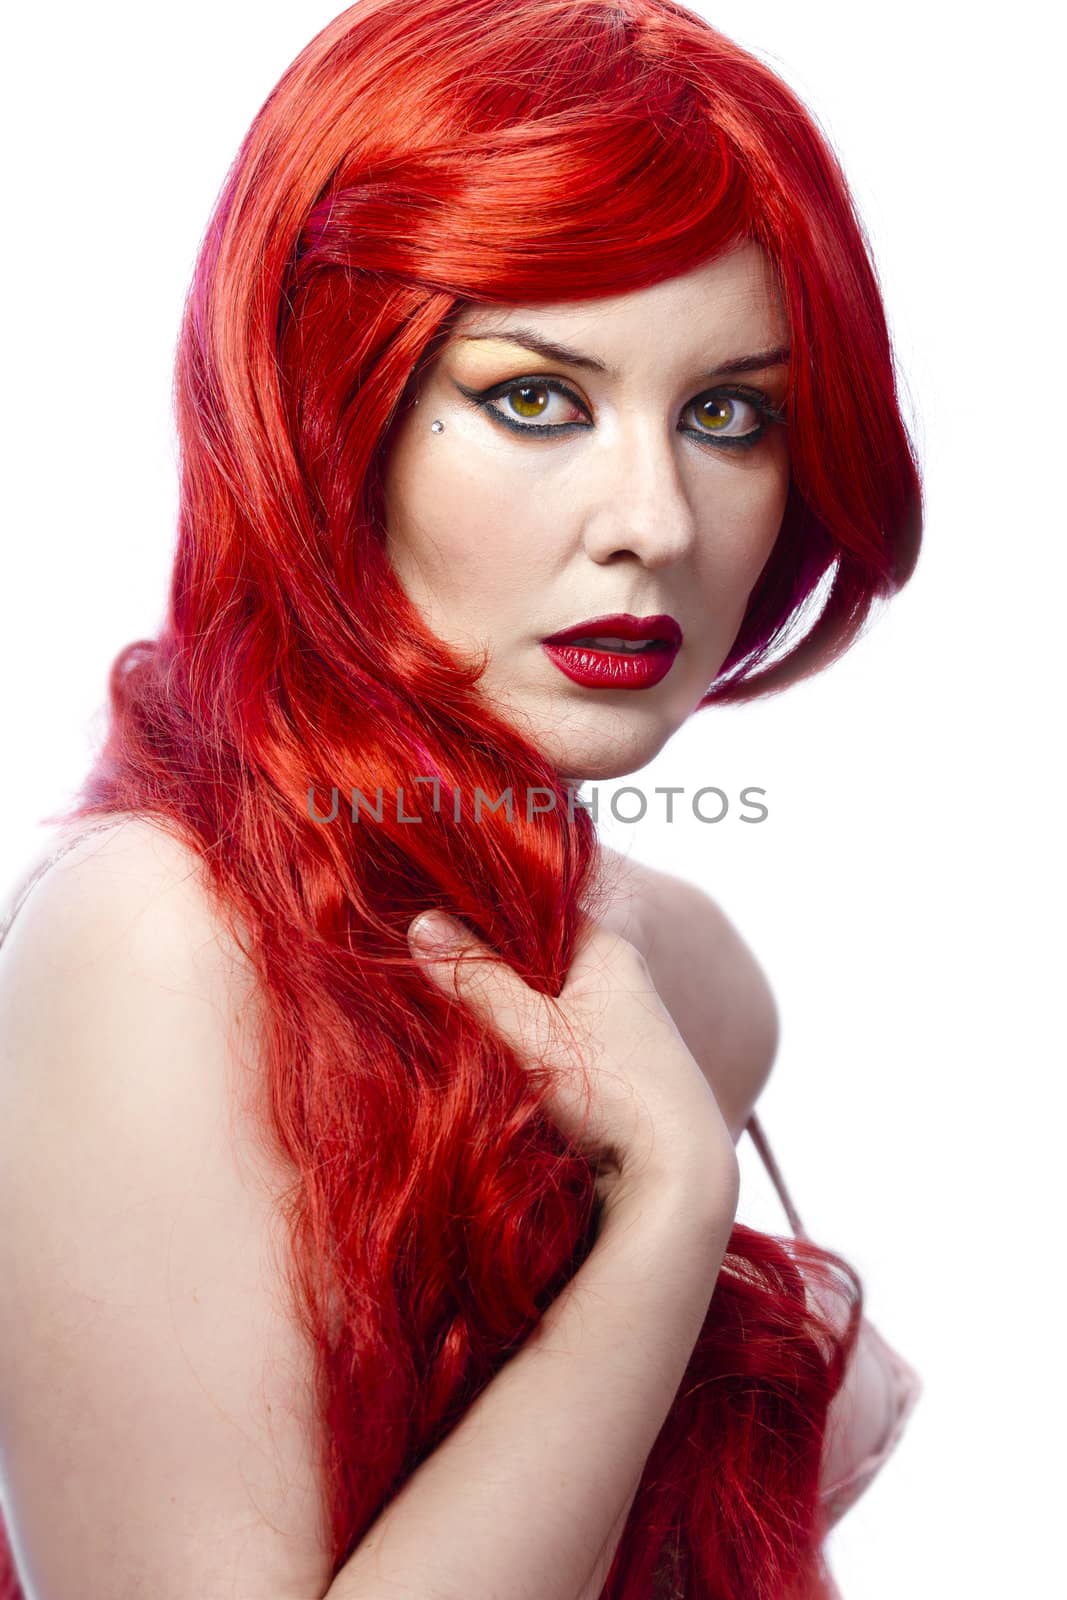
(350, 1268)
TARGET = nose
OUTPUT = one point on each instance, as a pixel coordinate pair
(639, 505)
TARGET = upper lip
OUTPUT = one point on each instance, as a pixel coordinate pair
(621, 625)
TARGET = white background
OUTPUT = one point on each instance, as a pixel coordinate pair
(902, 893)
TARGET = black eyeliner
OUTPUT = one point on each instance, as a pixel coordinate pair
(482, 398)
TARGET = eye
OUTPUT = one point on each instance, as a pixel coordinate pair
(527, 401)
(723, 415)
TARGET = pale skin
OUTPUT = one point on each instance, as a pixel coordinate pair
(115, 981)
(141, 1253)
(501, 538)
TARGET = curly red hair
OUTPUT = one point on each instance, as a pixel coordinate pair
(419, 155)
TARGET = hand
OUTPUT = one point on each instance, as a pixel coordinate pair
(621, 1082)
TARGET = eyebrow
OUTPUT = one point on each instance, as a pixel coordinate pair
(777, 356)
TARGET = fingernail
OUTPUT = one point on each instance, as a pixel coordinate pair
(433, 932)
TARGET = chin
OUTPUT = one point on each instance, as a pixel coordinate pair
(600, 759)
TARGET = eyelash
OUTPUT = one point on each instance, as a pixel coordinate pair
(769, 412)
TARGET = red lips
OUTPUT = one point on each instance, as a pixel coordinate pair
(605, 667)
(621, 625)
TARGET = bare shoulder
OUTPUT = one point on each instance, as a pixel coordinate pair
(125, 903)
(707, 975)
(131, 864)
(156, 1418)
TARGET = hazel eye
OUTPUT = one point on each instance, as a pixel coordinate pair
(530, 400)
(520, 403)
(716, 412)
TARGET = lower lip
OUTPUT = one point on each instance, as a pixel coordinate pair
(608, 669)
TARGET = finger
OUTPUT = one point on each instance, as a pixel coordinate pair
(472, 973)
(604, 960)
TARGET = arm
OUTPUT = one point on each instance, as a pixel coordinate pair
(157, 1431)
(157, 1435)
(527, 1497)
(594, 1587)
(708, 978)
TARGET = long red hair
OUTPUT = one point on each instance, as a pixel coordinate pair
(419, 155)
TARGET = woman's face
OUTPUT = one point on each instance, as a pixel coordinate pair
(640, 502)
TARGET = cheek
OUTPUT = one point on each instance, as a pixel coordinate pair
(743, 525)
(771, 491)
(428, 518)
(459, 522)
(766, 520)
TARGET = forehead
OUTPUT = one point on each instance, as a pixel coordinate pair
(735, 296)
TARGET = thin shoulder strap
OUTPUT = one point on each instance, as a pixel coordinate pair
(39, 871)
(759, 1139)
